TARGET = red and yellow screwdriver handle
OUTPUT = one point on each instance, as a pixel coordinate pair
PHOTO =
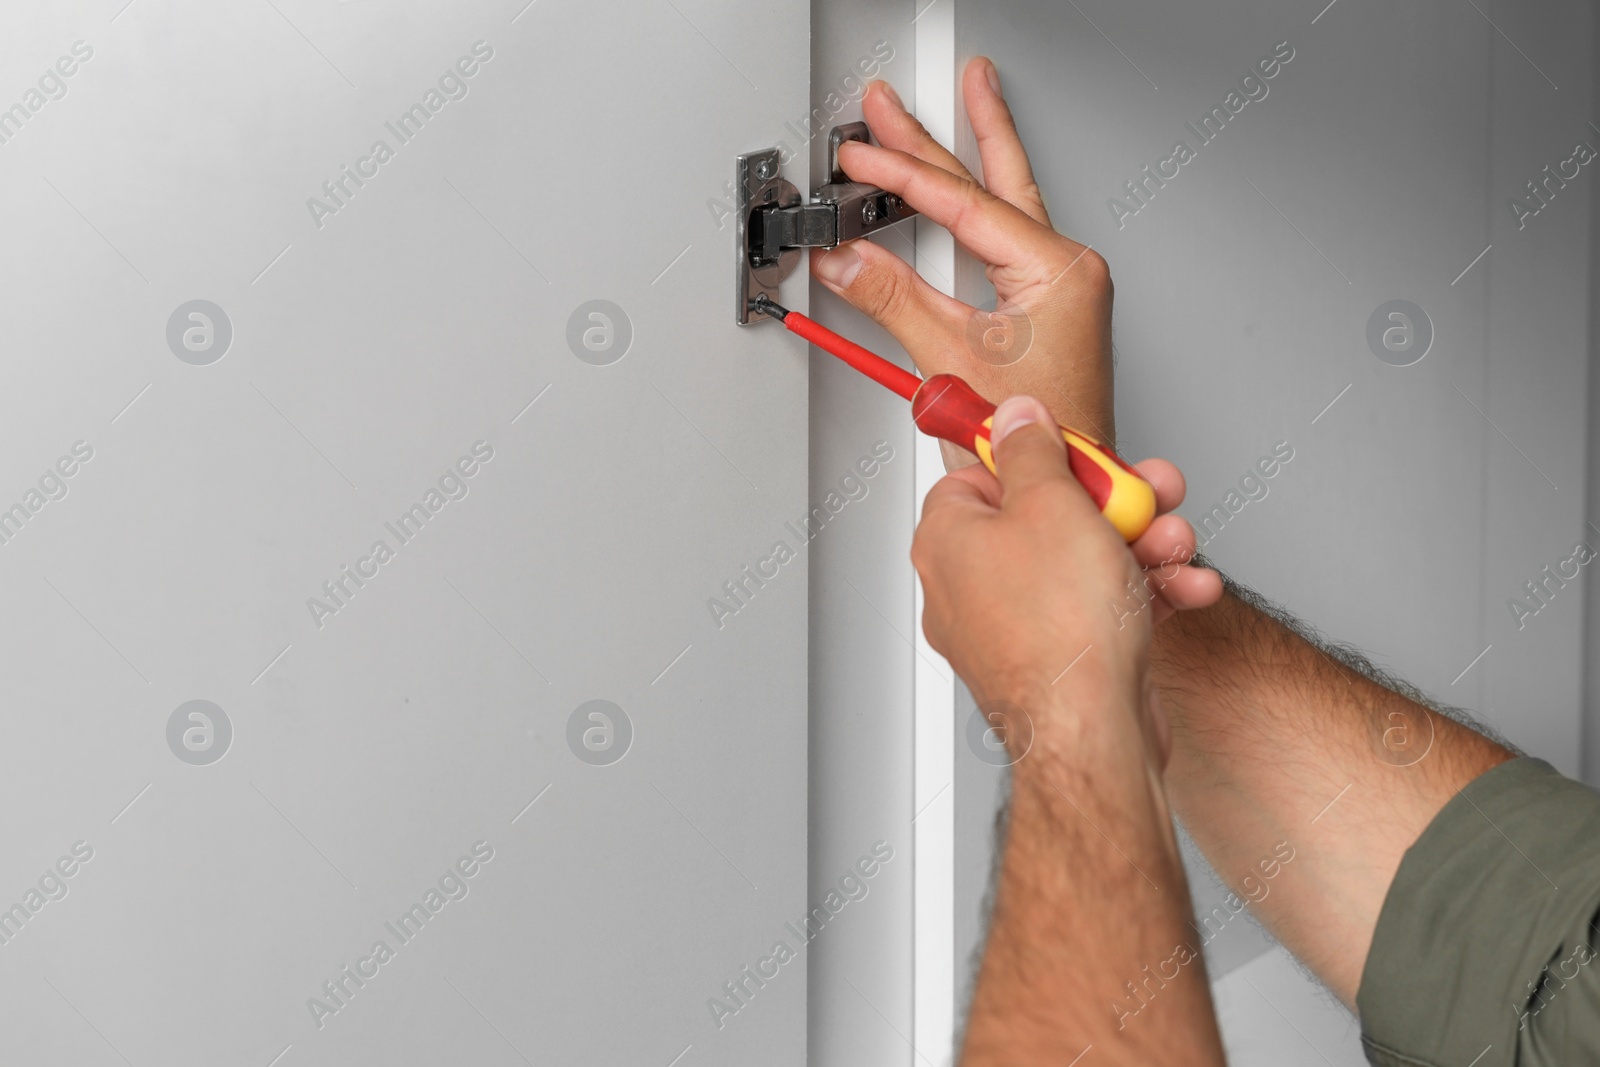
(948, 408)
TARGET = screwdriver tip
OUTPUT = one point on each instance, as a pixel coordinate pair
(769, 306)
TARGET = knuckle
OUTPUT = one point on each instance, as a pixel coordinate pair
(972, 200)
(919, 553)
(1082, 270)
(922, 550)
(1093, 271)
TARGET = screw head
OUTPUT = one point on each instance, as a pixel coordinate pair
(765, 169)
(869, 212)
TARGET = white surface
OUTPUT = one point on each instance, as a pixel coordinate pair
(431, 711)
(860, 983)
(1271, 1013)
(935, 104)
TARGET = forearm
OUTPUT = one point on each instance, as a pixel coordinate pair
(1277, 741)
(1091, 924)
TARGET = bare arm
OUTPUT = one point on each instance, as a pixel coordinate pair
(1091, 922)
(1277, 739)
(1092, 901)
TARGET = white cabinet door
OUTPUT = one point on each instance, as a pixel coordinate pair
(374, 434)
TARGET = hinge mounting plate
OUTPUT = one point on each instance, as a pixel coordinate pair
(772, 224)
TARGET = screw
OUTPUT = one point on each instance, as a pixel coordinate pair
(894, 203)
(869, 212)
(764, 169)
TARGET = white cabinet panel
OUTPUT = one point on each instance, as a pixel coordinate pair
(468, 300)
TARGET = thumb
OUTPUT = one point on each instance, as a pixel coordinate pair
(880, 284)
(1029, 452)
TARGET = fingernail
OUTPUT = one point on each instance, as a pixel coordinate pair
(894, 97)
(1013, 414)
(994, 80)
(840, 266)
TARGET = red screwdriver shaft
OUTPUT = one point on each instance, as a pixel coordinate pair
(871, 364)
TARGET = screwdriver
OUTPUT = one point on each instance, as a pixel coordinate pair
(946, 407)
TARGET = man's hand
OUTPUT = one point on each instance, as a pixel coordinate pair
(1050, 335)
(1022, 574)
(1027, 590)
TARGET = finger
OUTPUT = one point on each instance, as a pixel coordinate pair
(879, 283)
(970, 489)
(1167, 480)
(897, 128)
(978, 475)
(991, 229)
(1193, 587)
(1168, 543)
(1006, 170)
(1028, 449)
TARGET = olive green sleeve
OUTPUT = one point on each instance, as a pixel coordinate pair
(1484, 950)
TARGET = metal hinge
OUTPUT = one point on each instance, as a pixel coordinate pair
(773, 225)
